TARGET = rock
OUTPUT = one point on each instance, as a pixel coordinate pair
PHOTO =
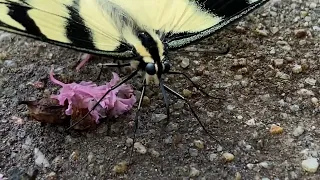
(10, 64)
(250, 166)
(237, 176)
(305, 92)
(129, 142)
(265, 178)
(57, 162)
(146, 100)
(154, 153)
(294, 107)
(212, 156)
(310, 165)
(187, 93)
(74, 156)
(185, 63)
(90, 157)
(264, 164)
(297, 69)
(140, 148)
(228, 156)
(40, 158)
(300, 33)
(310, 81)
(315, 101)
(282, 75)
(278, 62)
(51, 176)
(120, 168)
(193, 152)
(298, 131)
(275, 129)
(199, 144)
(251, 122)
(194, 172)
(158, 117)
(219, 148)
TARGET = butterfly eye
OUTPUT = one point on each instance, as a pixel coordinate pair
(151, 69)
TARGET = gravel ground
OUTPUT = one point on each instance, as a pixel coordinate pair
(267, 125)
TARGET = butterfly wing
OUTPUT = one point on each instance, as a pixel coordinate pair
(181, 22)
(81, 25)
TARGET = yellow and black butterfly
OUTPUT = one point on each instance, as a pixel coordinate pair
(142, 31)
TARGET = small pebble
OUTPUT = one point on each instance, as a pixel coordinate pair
(193, 152)
(278, 62)
(146, 100)
(74, 156)
(228, 156)
(282, 75)
(90, 157)
(40, 158)
(158, 117)
(194, 172)
(199, 144)
(237, 176)
(51, 176)
(129, 142)
(265, 178)
(212, 156)
(300, 33)
(10, 63)
(185, 63)
(264, 164)
(120, 168)
(154, 153)
(310, 81)
(294, 108)
(297, 69)
(275, 129)
(251, 122)
(310, 165)
(187, 93)
(298, 131)
(140, 148)
(250, 166)
(305, 92)
(315, 101)
(219, 148)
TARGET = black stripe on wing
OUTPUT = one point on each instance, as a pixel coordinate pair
(229, 10)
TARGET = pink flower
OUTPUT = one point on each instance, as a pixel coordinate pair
(85, 95)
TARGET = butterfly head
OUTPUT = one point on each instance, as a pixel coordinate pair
(153, 60)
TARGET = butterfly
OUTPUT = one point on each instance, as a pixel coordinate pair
(142, 32)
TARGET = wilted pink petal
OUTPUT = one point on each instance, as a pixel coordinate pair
(86, 94)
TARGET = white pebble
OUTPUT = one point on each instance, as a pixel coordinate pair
(90, 157)
(314, 101)
(140, 148)
(264, 164)
(282, 75)
(129, 142)
(199, 144)
(250, 166)
(154, 153)
(212, 156)
(228, 156)
(185, 62)
(297, 69)
(310, 165)
(305, 92)
(298, 131)
(40, 158)
(194, 172)
(251, 122)
(310, 81)
(278, 62)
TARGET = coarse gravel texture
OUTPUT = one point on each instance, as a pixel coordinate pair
(270, 76)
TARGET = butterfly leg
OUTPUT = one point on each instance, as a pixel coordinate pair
(194, 84)
(166, 101)
(136, 120)
(110, 65)
(171, 91)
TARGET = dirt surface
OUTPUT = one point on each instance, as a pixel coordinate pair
(270, 76)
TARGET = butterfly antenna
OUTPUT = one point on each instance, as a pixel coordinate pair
(194, 84)
(193, 112)
(136, 120)
(111, 89)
